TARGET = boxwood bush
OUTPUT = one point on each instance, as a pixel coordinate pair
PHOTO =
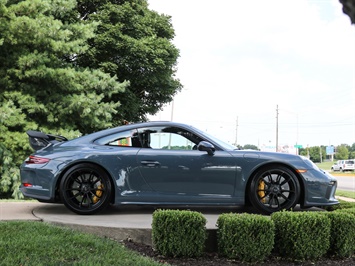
(301, 235)
(342, 235)
(348, 210)
(246, 237)
(179, 233)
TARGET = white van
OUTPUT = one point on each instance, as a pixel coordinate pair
(346, 165)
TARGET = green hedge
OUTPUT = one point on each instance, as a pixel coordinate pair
(179, 233)
(349, 210)
(301, 235)
(246, 237)
(342, 236)
(296, 236)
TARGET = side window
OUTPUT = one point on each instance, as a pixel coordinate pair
(123, 139)
(170, 138)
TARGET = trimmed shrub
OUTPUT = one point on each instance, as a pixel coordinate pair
(342, 236)
(179, 233)
(301, 235)
(349, 210)
(246, 237)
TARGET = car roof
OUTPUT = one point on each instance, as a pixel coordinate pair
(105, 132)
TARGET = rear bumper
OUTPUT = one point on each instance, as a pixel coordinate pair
(37, 192)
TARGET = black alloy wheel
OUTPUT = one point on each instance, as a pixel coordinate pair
(273, 189)
(85, 189)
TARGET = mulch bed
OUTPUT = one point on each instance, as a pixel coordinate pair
(213, 259)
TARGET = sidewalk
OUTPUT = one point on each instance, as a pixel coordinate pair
(345, 199)
(21, 210)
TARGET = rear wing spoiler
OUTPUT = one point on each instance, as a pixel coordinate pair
(39, 140)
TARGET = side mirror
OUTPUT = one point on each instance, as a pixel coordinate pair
(206, 146)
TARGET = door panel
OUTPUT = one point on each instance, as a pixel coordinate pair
(188, 172)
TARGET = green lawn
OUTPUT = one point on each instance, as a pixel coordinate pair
(325, 165)
(345, 193)
(36, 243)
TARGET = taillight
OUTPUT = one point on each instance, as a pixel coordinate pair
(27, 184)
(36, 160)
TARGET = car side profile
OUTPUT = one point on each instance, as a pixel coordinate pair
(167, 163)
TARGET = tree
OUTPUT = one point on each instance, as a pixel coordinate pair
(42, 87)
(250, 147)
(39, 75)
(65, 66)
(342, 152)
(352, 151)
(316, 153)
(133, 43)
(349, 9)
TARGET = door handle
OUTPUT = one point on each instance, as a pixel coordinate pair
(150, 163)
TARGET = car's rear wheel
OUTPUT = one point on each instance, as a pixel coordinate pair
(85, 189)
(274, 188)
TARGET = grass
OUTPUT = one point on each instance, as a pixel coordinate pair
(36, 243)
(345, 193)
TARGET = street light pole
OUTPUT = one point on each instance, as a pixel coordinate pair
(277, 127)
(236, 133)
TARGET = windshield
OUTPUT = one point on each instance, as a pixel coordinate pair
(222, 144)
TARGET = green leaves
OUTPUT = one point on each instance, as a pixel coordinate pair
(40, 75)
(133, 43)
(179, 233)
(76, 68)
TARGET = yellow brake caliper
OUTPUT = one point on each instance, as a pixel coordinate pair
(261, 191)
(98, 193)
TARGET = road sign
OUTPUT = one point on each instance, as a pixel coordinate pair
(329, 150)
(298, 146)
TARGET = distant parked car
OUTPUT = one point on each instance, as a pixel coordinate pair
(344, 165)
(348, 165)
(336, 166)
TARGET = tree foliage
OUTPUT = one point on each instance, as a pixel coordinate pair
(250, 147)
(315, 154)
(133, 43)
(342, 152)
(39, 77)
(65, 66)
(352, 151)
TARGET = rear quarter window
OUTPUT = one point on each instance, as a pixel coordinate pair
(122, 139)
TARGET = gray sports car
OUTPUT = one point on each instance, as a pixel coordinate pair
(167, 163)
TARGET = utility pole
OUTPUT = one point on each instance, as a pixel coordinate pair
(277, 127)
(236, 133)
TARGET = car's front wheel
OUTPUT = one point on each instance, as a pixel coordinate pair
(85, 189)
(274, 188)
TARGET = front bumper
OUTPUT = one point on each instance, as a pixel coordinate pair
(320, 188)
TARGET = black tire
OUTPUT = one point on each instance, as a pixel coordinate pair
(85, 189)
(273, 189)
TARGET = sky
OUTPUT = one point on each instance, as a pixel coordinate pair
(257, 72)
